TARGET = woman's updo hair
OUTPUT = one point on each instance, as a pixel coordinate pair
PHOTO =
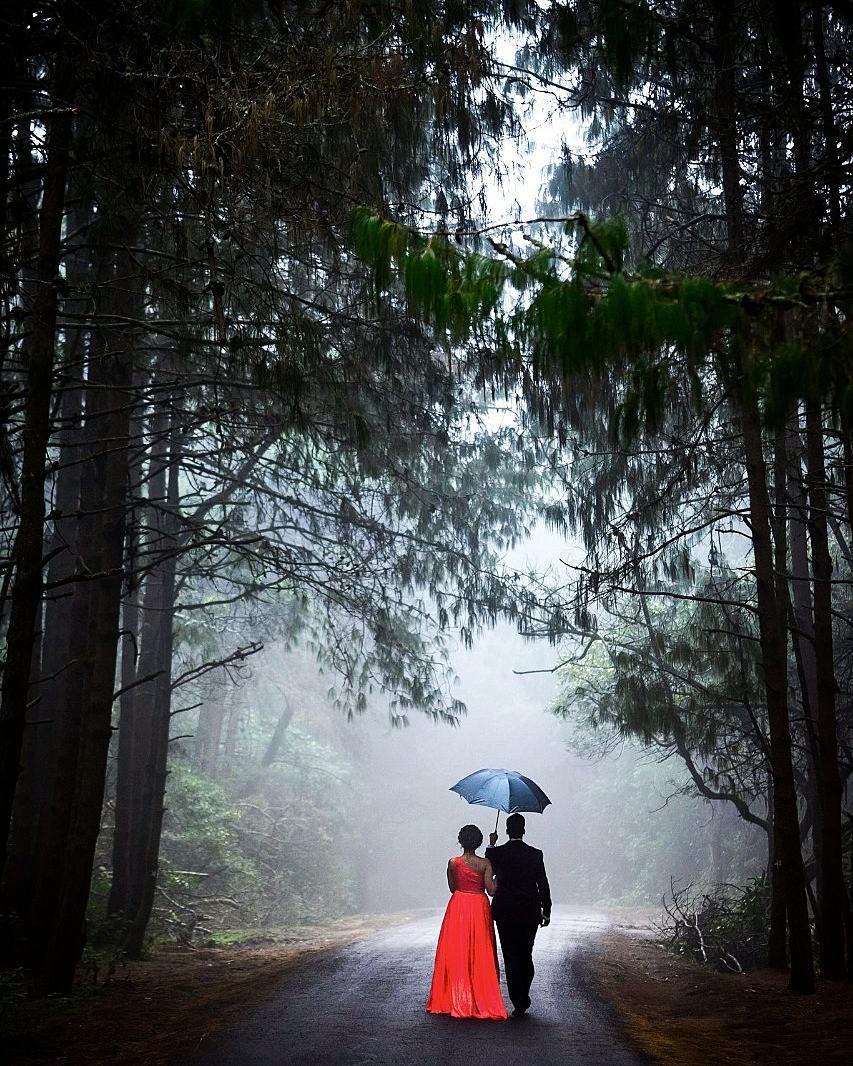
(470, 837)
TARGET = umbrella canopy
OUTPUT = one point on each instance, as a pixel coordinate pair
(503, 790)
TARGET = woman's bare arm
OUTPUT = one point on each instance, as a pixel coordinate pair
(489, 878)
(450, 884)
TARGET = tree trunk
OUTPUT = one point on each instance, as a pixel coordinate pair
(211, 719)
(724, 124)
(134, 726)
(789, 32)
(79, 790)
(235, 721)
(832, 903)
(830, 132)
(39, 750)
(27, 551)
(122, 872)
(715, 843)
(40, 737)
(68, 695)
(802, 637)
(800, 571)
(153, 713)
(277, 738)
(847, 464)
(775, 669)
(128, 771)
(777, 934)
(254, 780)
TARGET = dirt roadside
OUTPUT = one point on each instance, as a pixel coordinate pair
(682, 1014)
(673, 1011)
(168, 1005)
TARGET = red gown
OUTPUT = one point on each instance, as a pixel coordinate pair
(465, 978)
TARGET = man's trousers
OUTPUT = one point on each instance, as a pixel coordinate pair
(517, 935)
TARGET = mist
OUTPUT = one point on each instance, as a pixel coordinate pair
(618, 829)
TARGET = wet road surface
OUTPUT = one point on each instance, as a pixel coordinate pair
(364, 1004)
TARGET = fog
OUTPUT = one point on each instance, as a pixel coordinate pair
(375, 798)
(615, 831)
(303, 813)
(416, 818)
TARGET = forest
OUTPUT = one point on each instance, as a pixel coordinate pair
(386, 378)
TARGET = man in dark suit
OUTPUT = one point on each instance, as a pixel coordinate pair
(522, 902)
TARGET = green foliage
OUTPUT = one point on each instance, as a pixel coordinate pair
(454, 292)
(199, 833)
(297, 820)
(206, 16)
(787, 377)
(679, 686)
(749, 908)
(567, 319)
(102, 954)
(630, 823)
(253, 843)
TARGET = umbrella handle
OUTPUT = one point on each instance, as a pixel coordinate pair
(497, 819)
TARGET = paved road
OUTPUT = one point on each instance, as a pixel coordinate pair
(365, 1004)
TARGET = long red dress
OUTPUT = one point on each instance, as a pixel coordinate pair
(465, 978)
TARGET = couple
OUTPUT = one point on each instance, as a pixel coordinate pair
(465, 980)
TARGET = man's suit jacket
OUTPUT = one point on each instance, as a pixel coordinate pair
(522, 885)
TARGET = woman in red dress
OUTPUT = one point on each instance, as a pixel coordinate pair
(465, 978)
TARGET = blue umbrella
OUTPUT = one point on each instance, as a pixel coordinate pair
(506, 790)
